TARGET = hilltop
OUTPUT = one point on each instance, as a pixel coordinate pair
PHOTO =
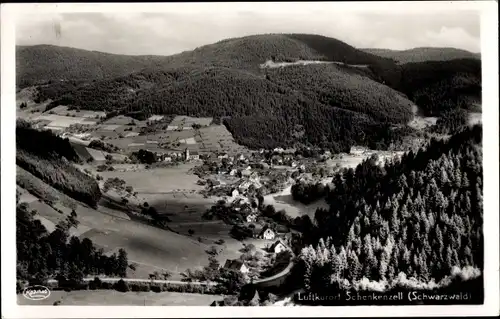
(424, 54)
(353, 98)
(42, 63)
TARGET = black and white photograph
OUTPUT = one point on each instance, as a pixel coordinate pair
(222, 155)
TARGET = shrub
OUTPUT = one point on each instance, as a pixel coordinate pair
(121, 286)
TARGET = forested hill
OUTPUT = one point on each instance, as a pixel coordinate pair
(277, 109)
(251, 51)
(437, 87)
(421, 216)
(47, 157)
(328, 105)
(42, 63)
(423, 54)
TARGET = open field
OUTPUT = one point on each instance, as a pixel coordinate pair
(159, 180)
(64, 121)
(63, 110)
(115, 298)
(150, 247)
(217, 138)
(99, 155)
(293, 208)
(120, 120)
(186, 121)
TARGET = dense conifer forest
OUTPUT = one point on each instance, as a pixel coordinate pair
(420, 217)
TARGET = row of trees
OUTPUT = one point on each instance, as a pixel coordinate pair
(421, 216)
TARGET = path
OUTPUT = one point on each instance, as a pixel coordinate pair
(154, 281)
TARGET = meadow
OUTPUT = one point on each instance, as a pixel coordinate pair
(115, 298)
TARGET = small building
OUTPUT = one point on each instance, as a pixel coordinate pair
(167, 159)
(213, 182)
(195, 155)
(241, 157)
(233, 172)
(267, 233)
(251, 218)
(224, 155)
(357, 150)
(244, 186)
(278, 246)
(235, 192)
(294, 164)
(236, 264)
(246, 173)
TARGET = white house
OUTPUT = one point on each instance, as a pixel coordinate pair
(278, 247)
(236, 264)
(357, 150)
(267, 233)
(233, 172)
(235, 193)
(167, 159)
(246, 173)
(251, 218)
(195, 155)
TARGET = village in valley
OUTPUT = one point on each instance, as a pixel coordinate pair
(187, 175)
(242, 168)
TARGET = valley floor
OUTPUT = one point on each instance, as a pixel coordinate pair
(115, 298)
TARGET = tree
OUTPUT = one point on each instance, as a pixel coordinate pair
(122, 262)
(231, 281)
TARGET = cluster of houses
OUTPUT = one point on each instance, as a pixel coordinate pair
(171, 156)
(239, 265)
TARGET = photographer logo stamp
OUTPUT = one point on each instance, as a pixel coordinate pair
(36, 292)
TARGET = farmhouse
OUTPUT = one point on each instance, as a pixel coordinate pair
(246, 173)
(278, 246)
(251, 218)
(357, 150)
(267, 233)
(195, 155)
(235, 192)
(236, 264)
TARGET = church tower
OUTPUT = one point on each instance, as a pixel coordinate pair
(186, 154)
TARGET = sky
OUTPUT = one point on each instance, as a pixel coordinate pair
(174, 29)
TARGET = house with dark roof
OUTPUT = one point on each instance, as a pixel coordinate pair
(236, 264)
(278, 246)
(267, 233)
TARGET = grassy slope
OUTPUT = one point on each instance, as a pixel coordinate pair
(115, 298)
